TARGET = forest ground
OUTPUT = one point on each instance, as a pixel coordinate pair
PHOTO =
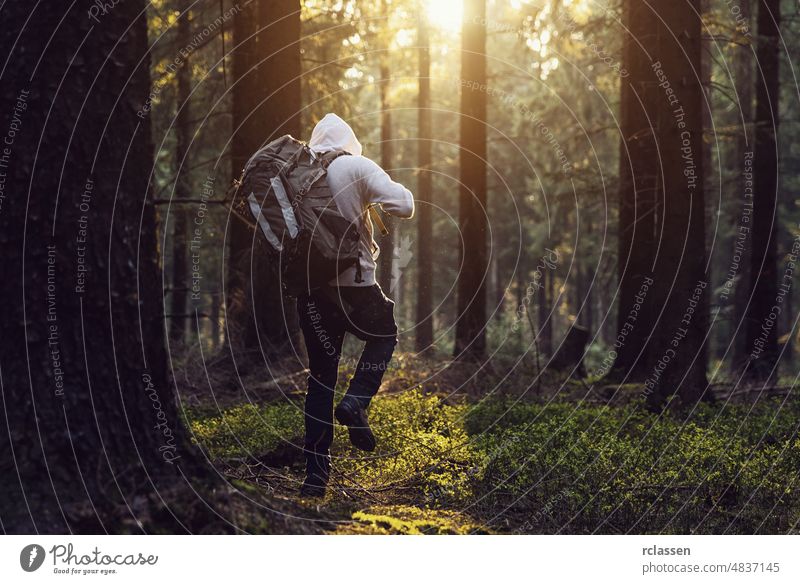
(470, 449)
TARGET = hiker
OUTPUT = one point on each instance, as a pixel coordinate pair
(353, 303)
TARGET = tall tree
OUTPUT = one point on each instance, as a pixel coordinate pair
(266, 105)
(586, 293)
(92, 422)
(546, 312)
(677, 349)
(761, 331)
(424, 329)
(183, 186)
(472, 219)
(744, 85)
(387, 152)
(638, 172)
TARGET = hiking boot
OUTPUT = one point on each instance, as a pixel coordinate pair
(309, 490)
(317, 470)
(350, 413)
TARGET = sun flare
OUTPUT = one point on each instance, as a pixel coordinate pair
(445, 14)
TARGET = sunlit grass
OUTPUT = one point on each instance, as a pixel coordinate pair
(544, 467)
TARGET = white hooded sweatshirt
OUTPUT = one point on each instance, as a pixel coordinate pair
(356, 182)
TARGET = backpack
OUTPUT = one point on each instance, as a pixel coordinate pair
(283, 193)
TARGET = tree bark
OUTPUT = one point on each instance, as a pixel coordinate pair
(585, 302)
(424, 324)
(92, 418)
(639, 171)
(386, 242)
(470, 341)
(761, 332)
(266, 105)
(545, 293)
(677, 351)
(183, 186)
(214, 317)
(743, 78)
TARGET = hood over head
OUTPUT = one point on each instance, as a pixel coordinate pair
(333, 133)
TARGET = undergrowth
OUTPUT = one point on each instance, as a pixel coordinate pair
(533, 468)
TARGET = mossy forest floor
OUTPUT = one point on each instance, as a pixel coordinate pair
(473, 450)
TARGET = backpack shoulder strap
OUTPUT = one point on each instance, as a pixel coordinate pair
(327, 157)
(324, 161)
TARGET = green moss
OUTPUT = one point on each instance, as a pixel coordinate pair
(406, 520)
(246, 430)
(621, 468)
(421, 442)
(542, 468)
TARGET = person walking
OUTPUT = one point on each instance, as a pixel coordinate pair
(353, 303)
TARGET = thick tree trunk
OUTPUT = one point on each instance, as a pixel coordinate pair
(266, 105)
(470, 339)
(677, 355)
(765, 303)
(183, 184)
(424, 321)
(91, 412)
(639, 171)
(743, 78)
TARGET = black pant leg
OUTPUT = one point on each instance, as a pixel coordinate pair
(372, 320)
(323, 329)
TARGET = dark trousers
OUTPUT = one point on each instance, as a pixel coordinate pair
(324, 320)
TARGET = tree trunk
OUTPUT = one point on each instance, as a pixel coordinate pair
(545, 316)
(266, 105)
(424, 332)
(92, 421)
(385, 242)
(183, 186)
(743, 78)
(585, 279)
(214, 317)
(786, 344)
(708, 178)
(677, 354)
(470, 339)
(639, 169)
(569, 356)
(761, 332)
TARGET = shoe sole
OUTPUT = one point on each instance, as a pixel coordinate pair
(360, 436)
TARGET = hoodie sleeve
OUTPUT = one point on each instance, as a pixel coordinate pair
(393, 197)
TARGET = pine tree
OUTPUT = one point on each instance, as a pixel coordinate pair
(470, 339)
